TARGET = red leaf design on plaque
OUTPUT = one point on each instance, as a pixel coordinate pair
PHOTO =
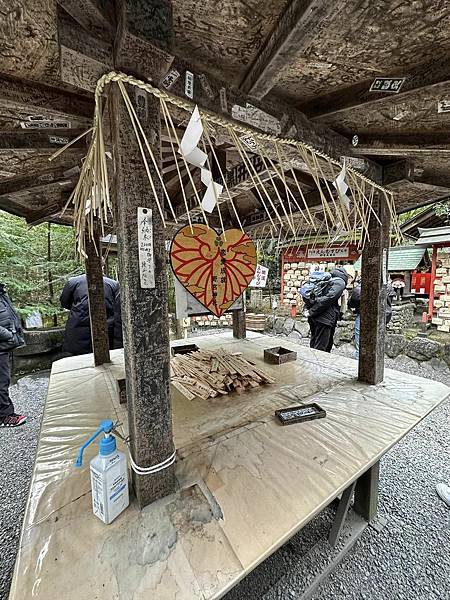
(214, 268)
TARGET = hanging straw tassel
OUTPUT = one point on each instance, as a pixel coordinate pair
(174, 131)
(255, 178)
(135, 123)
(91, 194)
(222, 174)
(175, 158)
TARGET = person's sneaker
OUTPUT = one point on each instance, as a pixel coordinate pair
(443, 491)
(12, 420)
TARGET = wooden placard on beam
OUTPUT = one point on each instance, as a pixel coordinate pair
(434, 72)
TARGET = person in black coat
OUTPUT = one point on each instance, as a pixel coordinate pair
(11, 337)
(74, 297)
(324, 312)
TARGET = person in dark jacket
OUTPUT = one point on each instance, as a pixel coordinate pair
(355, 304)
(11, 336)
(74, 297)
(118, 332)
(324, 312)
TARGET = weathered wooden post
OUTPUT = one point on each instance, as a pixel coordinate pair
(143, 275)
(373, 295)
(239, 327)
(96, 294)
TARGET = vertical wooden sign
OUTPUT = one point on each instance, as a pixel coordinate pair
(145, 244)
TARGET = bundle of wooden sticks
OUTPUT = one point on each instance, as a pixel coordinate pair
(207, 374)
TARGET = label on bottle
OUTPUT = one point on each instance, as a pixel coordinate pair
(98, 505)
(109, 480)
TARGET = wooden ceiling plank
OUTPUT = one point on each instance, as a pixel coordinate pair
(84, 57)
(401, 150)
(208, 92)
(295, 29)
(95, 16)
(434, 72)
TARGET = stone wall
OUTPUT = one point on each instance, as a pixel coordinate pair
(402, 317)
(419, 348)
(43, 347)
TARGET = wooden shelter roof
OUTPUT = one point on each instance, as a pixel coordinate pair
(289, 57)
(426, 219)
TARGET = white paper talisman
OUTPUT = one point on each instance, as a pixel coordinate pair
(145, 245)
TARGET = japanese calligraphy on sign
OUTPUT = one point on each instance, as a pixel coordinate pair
(189, 85)
(260, 278)
(145, 246)
(214, 268)
(170, 79)
(443, 106)
(328, 253)
(391, 85)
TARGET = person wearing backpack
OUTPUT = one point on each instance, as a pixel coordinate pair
(324, 310)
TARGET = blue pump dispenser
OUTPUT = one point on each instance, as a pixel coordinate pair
(107, 444)
(109, 474)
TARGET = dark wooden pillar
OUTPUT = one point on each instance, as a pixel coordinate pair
(144, 293)
(239, 328)
(97, 311)
(373, 296)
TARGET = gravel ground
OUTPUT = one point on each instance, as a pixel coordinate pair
(409, 559)
(17, 451)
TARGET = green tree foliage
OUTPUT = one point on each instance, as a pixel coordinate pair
(443, 210)
(26, 269)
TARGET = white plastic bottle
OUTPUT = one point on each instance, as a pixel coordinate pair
(109, 475)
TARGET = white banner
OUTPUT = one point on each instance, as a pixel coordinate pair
(328, 253)
(260, 278)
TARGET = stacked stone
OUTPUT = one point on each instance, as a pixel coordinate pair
(294, 276)
(442, 293)
(212, 321)
(402, 317)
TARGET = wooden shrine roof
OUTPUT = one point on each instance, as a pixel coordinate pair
(314, 57)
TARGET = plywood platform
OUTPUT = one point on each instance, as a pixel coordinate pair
(246, 484)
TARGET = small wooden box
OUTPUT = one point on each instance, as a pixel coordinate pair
(298, 414)
(279, 355)
(185, 348)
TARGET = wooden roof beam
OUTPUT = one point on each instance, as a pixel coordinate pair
(40, 139)
(425, 75)
(295, 29)
(399, 171)
(49, 177)
(35, 99)
(36, 217)
(398, 144)
(208, 92)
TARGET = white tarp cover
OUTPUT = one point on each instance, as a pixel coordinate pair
(247, 484)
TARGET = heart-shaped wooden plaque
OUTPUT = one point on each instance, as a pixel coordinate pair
(214, 268)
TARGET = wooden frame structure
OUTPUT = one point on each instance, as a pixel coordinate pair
(48, 79)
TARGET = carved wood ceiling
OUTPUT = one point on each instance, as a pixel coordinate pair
(317, 56)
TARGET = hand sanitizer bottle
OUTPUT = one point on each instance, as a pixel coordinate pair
(109, 475)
